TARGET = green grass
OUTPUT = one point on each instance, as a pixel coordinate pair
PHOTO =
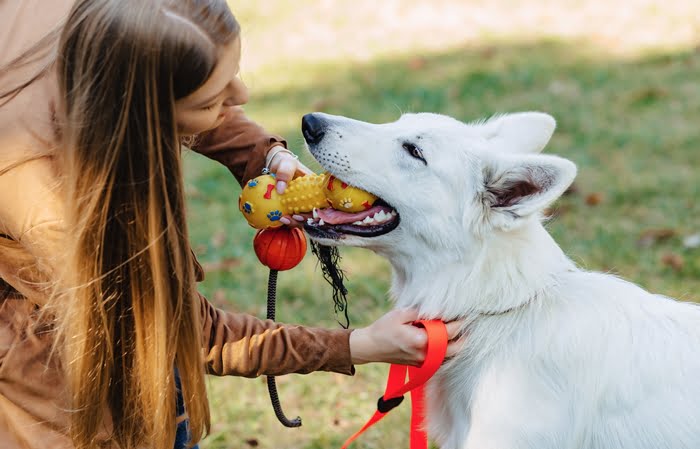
(628, 119)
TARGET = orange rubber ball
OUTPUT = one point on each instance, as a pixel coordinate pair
(280, 248)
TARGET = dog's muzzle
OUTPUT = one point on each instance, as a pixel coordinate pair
(333, 224)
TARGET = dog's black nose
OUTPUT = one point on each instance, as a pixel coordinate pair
(313, 128)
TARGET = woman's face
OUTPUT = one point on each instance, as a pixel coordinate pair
(204, 108)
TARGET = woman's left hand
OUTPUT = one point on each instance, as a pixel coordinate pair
(286, 167)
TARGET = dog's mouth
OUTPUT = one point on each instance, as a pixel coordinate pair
(331, 223)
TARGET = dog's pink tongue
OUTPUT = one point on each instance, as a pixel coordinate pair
(334, 216)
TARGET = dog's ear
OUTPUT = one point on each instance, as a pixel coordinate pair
(516, 187)
(522, 132)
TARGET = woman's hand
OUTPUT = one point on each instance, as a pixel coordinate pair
(394, 339)
(285, 165)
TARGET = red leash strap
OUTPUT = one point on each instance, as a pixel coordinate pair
(397, 386)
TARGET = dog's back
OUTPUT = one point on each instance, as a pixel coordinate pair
(597, 363)
(638, 364)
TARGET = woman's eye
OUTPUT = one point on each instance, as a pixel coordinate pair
(414, 151)
(209, 108)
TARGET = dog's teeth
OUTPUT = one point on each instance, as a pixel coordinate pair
(359, 223)
(310, 221)
(315, 212)
(321, 222)
(393, 213)
(368, 220)
(381, 216)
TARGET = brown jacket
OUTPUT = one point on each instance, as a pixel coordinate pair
(32, 396)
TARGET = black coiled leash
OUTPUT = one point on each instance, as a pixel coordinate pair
(271, 384)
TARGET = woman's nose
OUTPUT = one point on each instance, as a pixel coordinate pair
(238, 94)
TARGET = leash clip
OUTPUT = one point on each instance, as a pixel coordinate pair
(385, 406)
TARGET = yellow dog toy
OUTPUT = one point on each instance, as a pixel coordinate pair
(263, 206)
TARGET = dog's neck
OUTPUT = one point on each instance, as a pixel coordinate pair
(506, 272)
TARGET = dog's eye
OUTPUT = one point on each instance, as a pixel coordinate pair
(414, 151)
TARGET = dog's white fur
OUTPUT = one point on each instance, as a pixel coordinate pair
(556, 357)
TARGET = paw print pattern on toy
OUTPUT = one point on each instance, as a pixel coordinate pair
(346, 203)
(252, 183)
(247, 208)
(275, 215)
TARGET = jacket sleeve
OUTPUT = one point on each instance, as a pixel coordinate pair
(238, 143)
(242, 345)
(32, 228)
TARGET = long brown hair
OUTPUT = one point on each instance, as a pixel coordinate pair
(130, 312)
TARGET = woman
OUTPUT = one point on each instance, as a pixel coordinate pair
(94, 257)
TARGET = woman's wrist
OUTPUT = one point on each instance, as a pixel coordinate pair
(360, 344)
(275, 151)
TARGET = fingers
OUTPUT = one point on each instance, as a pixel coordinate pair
(303, 170)
(456, 340)
(418, 337)
(453, 328)
(286, 168)
(404, 315)
(415, 342)
(455, 346)
(415, 338)
(292, 221)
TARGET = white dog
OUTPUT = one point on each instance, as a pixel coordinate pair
(556, 357)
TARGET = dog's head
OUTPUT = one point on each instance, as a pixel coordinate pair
(444, 185)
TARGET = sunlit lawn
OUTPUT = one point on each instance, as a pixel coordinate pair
(628, 111)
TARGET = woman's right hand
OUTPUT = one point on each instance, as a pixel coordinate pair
(394, 339)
